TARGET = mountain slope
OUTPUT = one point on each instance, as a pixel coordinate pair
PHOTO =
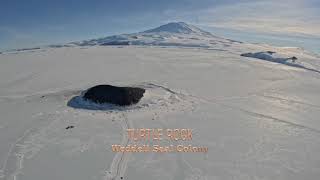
(179, 27)
(171, 34)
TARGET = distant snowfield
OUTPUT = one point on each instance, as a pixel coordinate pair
(259, 119)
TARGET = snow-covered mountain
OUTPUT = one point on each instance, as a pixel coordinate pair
(255, 107)
(179, 27)
(171, 34)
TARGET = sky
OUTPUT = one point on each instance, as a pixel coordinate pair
(40, 22)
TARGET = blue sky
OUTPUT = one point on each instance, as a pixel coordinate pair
(38, 22)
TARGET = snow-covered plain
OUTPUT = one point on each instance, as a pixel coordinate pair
(259, 119)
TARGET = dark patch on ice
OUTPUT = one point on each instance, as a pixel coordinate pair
(271, 52)
(60, 45)
(69, 127)
(107, 97)
(28, 49)
(122, 96)
(156, 97)
(234, 41)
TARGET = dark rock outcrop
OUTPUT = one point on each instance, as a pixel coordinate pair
(121, 96)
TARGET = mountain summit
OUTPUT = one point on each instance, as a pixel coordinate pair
(171, 34)
(179, 27)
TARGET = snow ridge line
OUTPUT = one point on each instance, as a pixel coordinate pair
(279, 120)
(120, 160)
(1, 174)
(217, 101)
(118, 167)
(19, 157)
(290, 101)
(46, 93)
(265, 116)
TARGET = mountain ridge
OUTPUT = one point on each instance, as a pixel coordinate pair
(178, 34)
(178, 27)
(170, 34)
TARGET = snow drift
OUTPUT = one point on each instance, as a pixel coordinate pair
(279, 58)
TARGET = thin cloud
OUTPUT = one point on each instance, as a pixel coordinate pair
(296, 17)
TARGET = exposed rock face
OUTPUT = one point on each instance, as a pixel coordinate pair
(121, 96)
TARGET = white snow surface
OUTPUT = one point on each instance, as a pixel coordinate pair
(259, 119)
